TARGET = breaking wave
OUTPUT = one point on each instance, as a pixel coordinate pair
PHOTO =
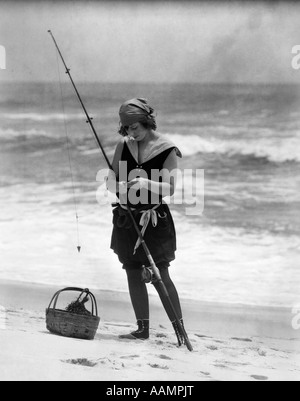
(12, 135)
(36, 117)
(276, 150)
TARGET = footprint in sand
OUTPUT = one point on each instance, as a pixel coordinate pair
(201, 336)
(129, 356)
(156, 366)
(261, 352)
(212, 347)
(81, 362)
(220, 365)
(237, 364)
(165, 357)
(161, 335)
(245, 340)
(205, 373)
(261, 378)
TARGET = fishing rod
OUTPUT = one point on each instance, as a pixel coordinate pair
(154, 268)
(89, 119)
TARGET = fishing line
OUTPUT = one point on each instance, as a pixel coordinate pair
(166, 296)
(69, 154)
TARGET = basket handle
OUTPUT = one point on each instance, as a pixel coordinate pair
(87, 291)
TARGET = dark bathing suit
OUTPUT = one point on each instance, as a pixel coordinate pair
(160, 239)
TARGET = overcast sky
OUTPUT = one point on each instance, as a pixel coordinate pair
(151, 41)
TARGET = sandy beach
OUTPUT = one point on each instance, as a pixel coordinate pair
(231, 342)
(223, 83)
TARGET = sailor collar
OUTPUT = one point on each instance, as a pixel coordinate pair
(159, 146)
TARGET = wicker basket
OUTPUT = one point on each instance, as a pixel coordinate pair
(70, 324)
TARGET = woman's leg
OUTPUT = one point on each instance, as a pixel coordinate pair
(138, 294)
(140, 302)
(164, 272)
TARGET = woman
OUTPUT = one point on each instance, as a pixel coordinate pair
(141, 153)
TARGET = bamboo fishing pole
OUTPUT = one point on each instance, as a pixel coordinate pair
(154, 268)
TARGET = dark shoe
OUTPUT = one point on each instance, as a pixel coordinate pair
(142, 333)
(180, 337)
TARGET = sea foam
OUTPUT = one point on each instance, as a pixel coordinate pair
(277, 150)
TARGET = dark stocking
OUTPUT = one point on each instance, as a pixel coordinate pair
(138, 294)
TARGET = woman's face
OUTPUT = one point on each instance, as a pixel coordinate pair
(137, 132)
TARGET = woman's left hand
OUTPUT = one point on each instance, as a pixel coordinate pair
(138, 183)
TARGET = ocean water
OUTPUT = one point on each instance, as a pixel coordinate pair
(244, 248)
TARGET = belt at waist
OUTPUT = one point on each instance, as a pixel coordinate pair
(147, 216)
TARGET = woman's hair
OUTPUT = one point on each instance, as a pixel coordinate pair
(150, 124)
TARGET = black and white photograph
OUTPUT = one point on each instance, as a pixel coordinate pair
(150, 193)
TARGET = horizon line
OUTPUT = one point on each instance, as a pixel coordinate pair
(266, 83)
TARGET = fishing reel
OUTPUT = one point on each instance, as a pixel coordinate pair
(148, 276)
